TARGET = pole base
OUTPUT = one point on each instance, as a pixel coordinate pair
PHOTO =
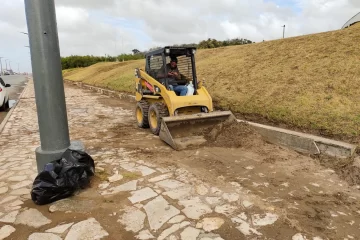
(44, 157)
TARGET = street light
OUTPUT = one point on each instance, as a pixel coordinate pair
(283, 31)
(6, 64)
(1, 73)
(28, 35)
(48, 82)
(122, 46)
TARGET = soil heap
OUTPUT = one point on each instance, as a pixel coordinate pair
(232, 134)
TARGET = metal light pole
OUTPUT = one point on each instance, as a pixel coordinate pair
(25, 33)
(122, 46)
(283, 31)
(115, 42)
(6, 64)
(1, 73)
(10, 66)
(48, 82)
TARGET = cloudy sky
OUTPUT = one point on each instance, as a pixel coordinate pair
(102, 27)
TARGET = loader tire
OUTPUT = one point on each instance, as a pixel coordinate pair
(156, 112)
(3, 106)
(141, 114)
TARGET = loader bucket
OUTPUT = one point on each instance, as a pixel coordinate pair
(189, 130)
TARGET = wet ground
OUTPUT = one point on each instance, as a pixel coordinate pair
(17, 82)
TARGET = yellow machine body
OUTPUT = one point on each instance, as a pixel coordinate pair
(184, 105)
(180, 121)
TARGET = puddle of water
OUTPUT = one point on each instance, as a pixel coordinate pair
(12, 103)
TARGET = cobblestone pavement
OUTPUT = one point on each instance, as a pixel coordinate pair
(135, 196)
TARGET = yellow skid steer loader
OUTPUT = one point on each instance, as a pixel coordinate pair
(171, 101)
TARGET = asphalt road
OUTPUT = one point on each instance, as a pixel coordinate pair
(18, 83)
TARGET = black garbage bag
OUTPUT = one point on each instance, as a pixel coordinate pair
(61, 178)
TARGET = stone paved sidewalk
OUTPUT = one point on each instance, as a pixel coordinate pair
(130, 197)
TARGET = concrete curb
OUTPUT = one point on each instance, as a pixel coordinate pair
(301, 142)
(305, 143)
(107, 92)
(6, 119)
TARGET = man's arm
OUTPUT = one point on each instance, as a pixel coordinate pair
(176, 74)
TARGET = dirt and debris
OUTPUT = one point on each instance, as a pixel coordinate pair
(218, 132)
(348, 168)
(312, 196)
(309, 197)
(232, 134)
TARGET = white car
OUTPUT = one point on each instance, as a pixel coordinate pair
(4, 95)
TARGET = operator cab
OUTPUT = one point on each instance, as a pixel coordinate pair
(158, 59)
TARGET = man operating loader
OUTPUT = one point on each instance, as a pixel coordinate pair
(174, 77)
(163, 111)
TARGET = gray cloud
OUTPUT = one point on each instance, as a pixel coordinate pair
(88, 4)
(355, 3)
(12, 13)
(98, 27)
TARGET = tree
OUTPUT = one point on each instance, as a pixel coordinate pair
(85, 61)
(135, 51)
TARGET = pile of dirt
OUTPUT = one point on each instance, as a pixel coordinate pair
(348, 168)
(232, 134)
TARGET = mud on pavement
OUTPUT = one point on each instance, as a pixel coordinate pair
(309, 198)
(143, 189)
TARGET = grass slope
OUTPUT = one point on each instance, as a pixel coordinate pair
(308, 82)
(117, 76)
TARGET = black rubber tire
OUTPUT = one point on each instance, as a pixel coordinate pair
(3, 107)
(143, 107)
(160, 110)
(7, 106)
